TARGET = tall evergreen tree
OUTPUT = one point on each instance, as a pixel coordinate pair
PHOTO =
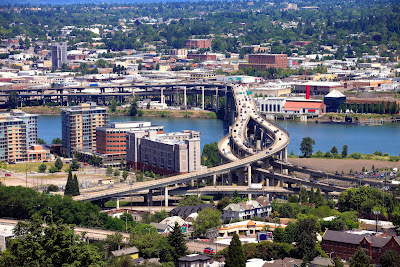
(312, 195)
(235, 256)
(303, 195)
(319, 199)
(69, 187)
(177, 241)
(76, 186)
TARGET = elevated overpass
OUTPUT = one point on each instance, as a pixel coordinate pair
(246, 156)
(314, 174)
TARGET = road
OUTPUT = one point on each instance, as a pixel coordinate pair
(277, 146)
(7, 225)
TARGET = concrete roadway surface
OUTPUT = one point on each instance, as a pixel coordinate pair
(199, 247)
(7, 225)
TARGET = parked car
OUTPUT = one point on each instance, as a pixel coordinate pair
(209, 250)
(8, 174)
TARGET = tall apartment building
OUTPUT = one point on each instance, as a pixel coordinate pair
(18, 131)
(12, 139)
(198, 43)
(265, 61)
(58, 55)
(79, 125)
(31, 123)
(164, 153)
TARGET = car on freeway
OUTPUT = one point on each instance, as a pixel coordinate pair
(267, 152)
(208, 250)
(8, 174)
(86, 195)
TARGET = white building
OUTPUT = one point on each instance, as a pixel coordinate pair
(245, 211)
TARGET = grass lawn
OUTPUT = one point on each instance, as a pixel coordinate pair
(113, 204)
(32, 166)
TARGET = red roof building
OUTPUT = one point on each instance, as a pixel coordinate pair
(303, 107)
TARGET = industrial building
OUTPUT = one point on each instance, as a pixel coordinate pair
(317, 88)
(79, 125)
(266, 61)
(165, 154)
(290, 106)
(333, 100)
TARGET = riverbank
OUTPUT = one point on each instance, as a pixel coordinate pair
(345, 165)
(168, 113)
(361, 117)
(201, 114)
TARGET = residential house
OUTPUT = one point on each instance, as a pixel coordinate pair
(194, 260)
(245, 211)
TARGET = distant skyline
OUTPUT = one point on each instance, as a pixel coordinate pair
(73, 2)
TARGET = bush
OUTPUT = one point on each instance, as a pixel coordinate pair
(378, 153)
(355, 155)
(53, 169)
(52, 188)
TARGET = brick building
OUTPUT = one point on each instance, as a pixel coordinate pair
(345, 244)
(112, 139)
(202, 57)
(198, 43)
(265, 61)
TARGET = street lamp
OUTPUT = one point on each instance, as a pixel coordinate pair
(126, 223)
(376, 212)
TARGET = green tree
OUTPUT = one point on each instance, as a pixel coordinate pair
(113, 242)
(53, 169)
(109, 171)
(305, 237)
(303, 195)
(223, 203)
(53, 245)
(57, 141)
(41, 141)
(133, 111)
(59, 164)
(279, 235)
(76, 186)
(177, 241)
(125, 175)
(112, 105)
(344, 151)
(235, 256)
(74, 165)
(334, 150)
(189, 200)
(69, 187)
(12, 100)
(337, 262)
(42, 168)
(319, 199)
(359, 259)
(207, 219)
(390, 259)
(312, 195)
(210, 155)
(306, 146)
(117, 173)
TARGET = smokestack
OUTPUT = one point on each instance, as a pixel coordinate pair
(307, 92)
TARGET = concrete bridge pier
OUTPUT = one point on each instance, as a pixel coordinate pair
(192, 183)
(202, 97)
(241, 178)
(214, 180)
(184, 97)
(326, 194)
(229, 178)
(117, 203)
(216, 100)
(162, 100)
(249, 180)
(166, 196)
(149, 198)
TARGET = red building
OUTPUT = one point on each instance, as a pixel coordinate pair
(265, 61)
(202, 57)
(345, 244)
(198, 43)
(112, 139)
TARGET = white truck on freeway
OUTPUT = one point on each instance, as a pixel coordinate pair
(255, 186)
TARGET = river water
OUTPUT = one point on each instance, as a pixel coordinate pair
(363, 139)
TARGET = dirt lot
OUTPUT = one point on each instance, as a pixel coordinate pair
(333, 165)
